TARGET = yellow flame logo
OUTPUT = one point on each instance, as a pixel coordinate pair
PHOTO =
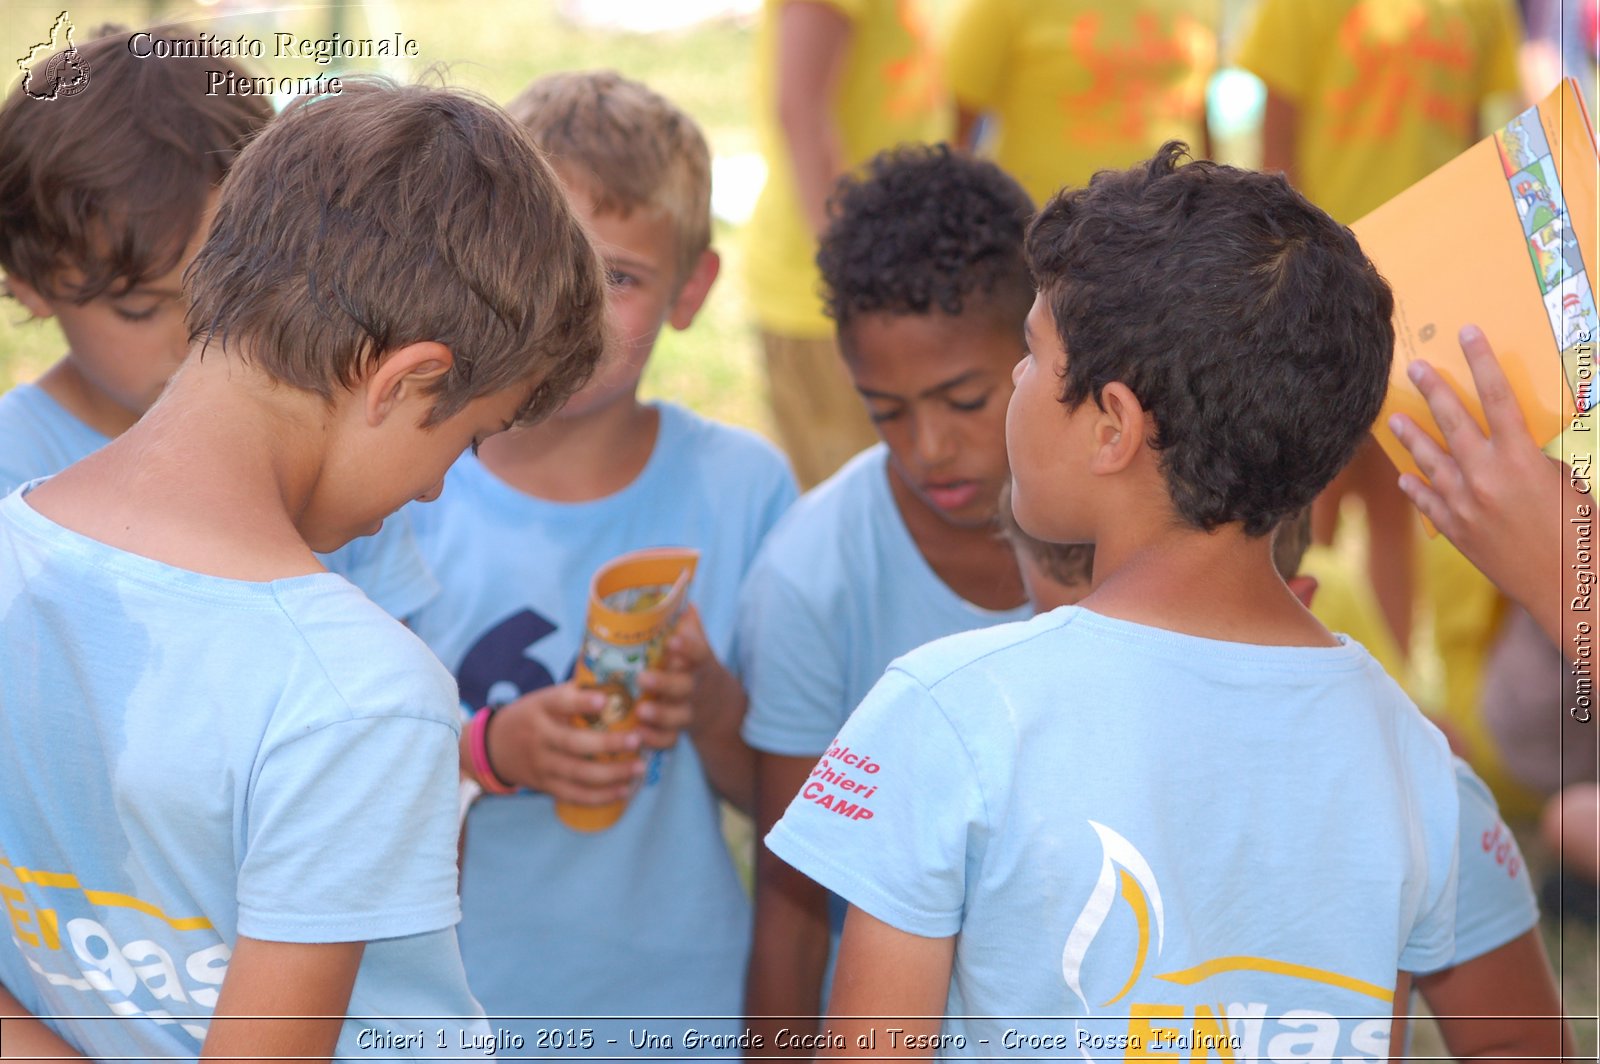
(1124, 871)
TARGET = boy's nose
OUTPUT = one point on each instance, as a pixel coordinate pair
(933, 441)
(433, 492)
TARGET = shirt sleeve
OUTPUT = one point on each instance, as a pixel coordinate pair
(1281, 43)
(388, 567)
(1431, 941)
(350, 833)
(792, 664)
(1494, 899)
(864, 826)
(976, 44)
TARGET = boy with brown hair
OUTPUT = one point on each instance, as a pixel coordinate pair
(105, 197)
(646, 917)
(1135, 831)
(229, 782)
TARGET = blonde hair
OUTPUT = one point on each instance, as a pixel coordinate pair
(629, 147)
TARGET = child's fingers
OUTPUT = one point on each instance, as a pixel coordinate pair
(667, 685)
(583, 743)
(579, 789)
(609, 777)
(1430, 504)
(1500, 408)
(1437, 464)
(663, 717)
(1460, 432)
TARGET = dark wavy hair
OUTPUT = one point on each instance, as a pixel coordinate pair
(1248, 322)
(922, 229)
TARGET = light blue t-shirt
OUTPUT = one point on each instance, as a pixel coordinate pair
(647, 917)
(840, 591)
(1494, 899)
(39, 438)
(1132, 830)
(185, 759)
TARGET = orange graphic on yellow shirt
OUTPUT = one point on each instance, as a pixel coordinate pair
(913, 79)
(1160, 71)
(1400, 60)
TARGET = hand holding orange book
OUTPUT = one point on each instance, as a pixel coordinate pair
(1504, 237)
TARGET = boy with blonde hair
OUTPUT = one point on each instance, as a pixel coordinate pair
(228, 792)
(1136, 828)
(646, 917)
(105, 197)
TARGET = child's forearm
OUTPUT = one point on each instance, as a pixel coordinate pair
(789, 950)
(730, 764)
(24, 1037)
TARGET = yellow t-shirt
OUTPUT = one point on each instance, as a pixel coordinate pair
(1387, 91)
(1344, 602)
(889, 94)
(1077, 86)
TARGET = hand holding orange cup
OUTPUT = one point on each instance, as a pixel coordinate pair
(634, 601)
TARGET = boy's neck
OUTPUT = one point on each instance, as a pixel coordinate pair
(975, 563)
(78, 396)
(577, 459)
(1219, 585)
(209, 480)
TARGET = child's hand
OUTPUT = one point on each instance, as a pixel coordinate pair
(694, 694)
(1498, 498)
(668, 696)
(533, 743)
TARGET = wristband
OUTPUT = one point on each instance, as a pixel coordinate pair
(478, 750)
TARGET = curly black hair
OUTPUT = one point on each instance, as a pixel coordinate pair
(1248, 322)
(921, 228)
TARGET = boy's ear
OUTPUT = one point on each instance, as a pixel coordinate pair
(1119, 431)
(1304, 587)
(692, 296)
(24, 293)
(402, 376)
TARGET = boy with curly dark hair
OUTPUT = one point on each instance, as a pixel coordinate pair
(1121, 814)
(928, 289)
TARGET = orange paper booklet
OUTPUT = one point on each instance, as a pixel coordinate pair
(1502, 236)
(633, 603)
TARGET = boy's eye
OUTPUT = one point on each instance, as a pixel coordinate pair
(618, 279)
(971, 405)
(879, 416)
(137, 315)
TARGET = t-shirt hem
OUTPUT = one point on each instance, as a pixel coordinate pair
(862, 893)
(350, 927)
(1489, 937)
(1430, 957)
(766, 742)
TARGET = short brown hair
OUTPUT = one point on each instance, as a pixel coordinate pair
(388, 215)
(627, 146)
(1068, 564)
(112, 180)
(1290, 542)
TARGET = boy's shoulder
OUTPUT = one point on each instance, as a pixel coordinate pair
(994, 649)
(39, 436)
(376, 665)
(719, 447)
(318, 633)
(841, 513)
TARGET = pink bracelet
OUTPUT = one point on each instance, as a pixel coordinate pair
(478, 751)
